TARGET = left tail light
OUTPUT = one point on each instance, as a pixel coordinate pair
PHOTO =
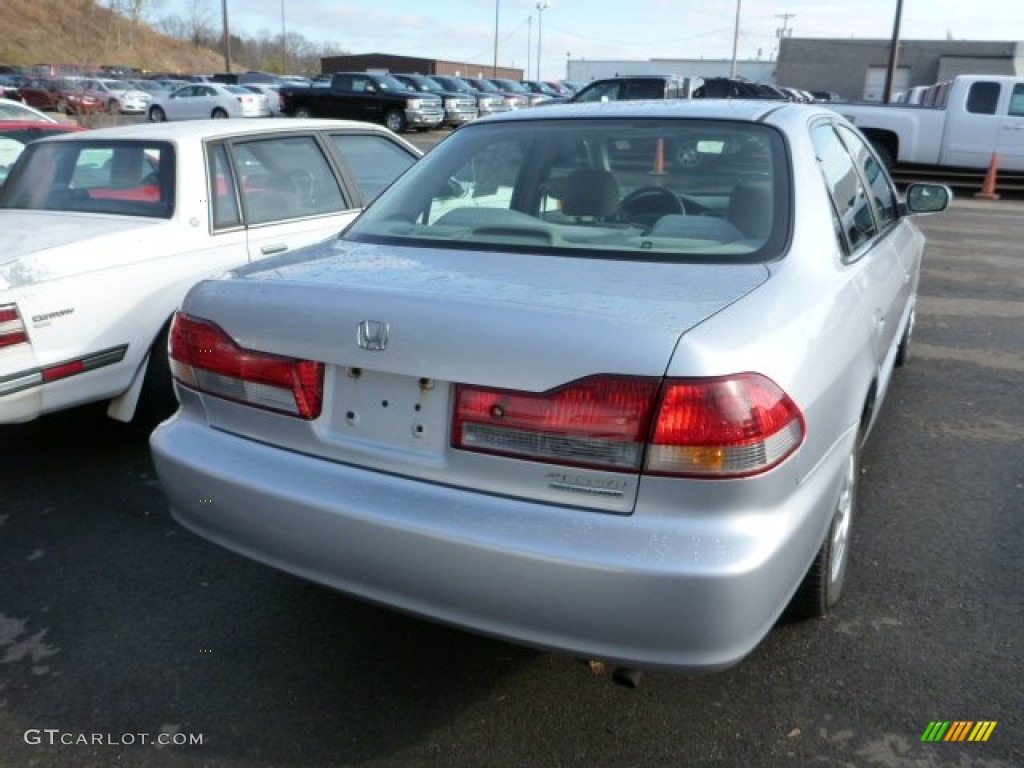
(205, 358)
(12, 327)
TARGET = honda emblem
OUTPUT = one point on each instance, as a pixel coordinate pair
(373, 335)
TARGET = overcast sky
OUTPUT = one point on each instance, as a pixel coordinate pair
(464, 30)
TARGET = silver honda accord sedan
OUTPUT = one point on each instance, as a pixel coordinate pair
(593, 379)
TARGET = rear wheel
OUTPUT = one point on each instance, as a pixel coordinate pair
(157, 115)
(395, 121)
(218, 114)
(303, 112)
(823, 584)
(157, 400)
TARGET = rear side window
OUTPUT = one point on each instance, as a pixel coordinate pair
(882, 195)
(849, 198)
(223, 195)
(983, 98)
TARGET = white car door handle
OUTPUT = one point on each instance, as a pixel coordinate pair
(268, 250)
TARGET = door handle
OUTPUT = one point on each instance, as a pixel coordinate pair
(269, 250)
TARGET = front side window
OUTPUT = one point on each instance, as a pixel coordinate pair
(285, 177)
(640, 189)
(1017, 101)
(375, 161)
(601, 92)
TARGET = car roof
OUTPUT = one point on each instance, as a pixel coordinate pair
(187, 130)
(750, 110)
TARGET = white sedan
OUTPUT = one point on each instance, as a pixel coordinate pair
(15, 110)
(548, 389)
(200, 101)
(105, 230)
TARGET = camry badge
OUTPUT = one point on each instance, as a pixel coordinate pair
(373, 335)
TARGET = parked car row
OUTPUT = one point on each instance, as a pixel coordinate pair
(405, 101)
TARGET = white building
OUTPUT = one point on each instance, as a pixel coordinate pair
(585, 70)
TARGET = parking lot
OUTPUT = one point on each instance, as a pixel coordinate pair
(126, 640)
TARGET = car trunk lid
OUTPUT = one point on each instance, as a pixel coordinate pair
(398, 328)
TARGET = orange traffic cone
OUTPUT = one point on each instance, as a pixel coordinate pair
(988, 188)
(659, 159)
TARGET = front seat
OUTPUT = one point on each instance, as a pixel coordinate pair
(590, 193)
(750, 208)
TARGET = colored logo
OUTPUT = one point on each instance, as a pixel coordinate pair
(958, 730)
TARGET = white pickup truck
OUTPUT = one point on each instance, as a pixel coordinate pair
(963, 124)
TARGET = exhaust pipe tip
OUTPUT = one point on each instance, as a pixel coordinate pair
(627, 677)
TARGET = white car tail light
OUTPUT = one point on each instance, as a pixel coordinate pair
(12, 327)
(205, 358)
(720, 427)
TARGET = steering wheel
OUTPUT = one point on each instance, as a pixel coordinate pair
(646, 205)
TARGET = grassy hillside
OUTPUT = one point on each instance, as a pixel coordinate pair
(83, 33)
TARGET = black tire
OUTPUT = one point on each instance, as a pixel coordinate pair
(903, 350)
(885, 155)
(113, 107)
(823, 584)
(394, 121)
(157, 400)
(219, 114)
(157, 115)
(303, 112)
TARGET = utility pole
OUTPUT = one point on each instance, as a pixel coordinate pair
(529, 43)
(284, 44)
(735, 41)
(893, 48)
(497, 7)
(541, 7)
(227, 37)
(785, 31)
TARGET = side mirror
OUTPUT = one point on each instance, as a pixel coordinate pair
(927, 198)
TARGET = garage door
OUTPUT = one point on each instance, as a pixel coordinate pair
(874, 83)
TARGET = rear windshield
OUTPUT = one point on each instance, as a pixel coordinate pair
(121, 178)
(644, 189)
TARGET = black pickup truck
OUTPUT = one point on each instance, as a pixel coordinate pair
(367, 96)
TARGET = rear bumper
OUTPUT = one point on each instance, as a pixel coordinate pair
(654, 590)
